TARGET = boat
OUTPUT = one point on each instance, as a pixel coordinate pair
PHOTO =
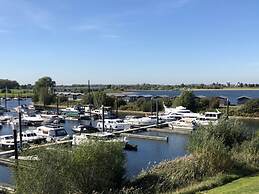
(203, 121)
(5, 118)
(52, 133)
(208, 118)
(6, 141)
(141, 121)
(181, 111)
(184, 123)
(113, 125)
(29, 136)
(33, 119)
(84, 129)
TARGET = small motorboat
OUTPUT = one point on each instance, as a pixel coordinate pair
(84, 129)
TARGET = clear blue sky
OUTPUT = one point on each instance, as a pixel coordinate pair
(130, 41)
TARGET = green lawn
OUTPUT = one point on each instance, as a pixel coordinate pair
(243, 185)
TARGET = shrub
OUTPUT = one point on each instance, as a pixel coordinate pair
(93, 167)
(248, 153)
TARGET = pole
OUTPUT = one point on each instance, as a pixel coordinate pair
(57, 105)
(227, 108)
(90, 102)
(157, 118)
(103, 117)
(5, 102)
(151, 105)
(15, 143)
(117, 107)
(19, 103)
(20, 127)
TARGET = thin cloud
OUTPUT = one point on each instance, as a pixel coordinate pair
(19, 13)
(112, 36)
(87, 27)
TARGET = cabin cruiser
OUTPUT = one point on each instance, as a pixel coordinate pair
(141, 121)
(29, 136)
(84, 129)
(184, 123)
(33, 119)
(212, 116)
(113, 125)
(181, 111)
(52, 133)
(204, 121)
(5, 118)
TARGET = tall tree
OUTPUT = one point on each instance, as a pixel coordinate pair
(44, 90)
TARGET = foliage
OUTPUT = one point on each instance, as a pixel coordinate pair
(144, 105)
(44, 91)
(92, 167)
(251, 106)
(9, 84)
(99, 98)
(186, 99)
(248, 153)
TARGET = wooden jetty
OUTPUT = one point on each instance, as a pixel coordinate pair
(144, 128)
(148, 137)
(6, 188)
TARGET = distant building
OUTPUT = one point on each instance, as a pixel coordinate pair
(243, 99)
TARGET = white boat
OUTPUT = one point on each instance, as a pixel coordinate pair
(84, 129)
(5, 118)
(181, 111)
(30, 136)
(185, 123)
(7, 141)
(141, 121)
(204, 121)
(99, 136)
(52, 133)
(33, 119)
(113, 125)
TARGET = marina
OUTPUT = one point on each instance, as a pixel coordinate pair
(156, 142)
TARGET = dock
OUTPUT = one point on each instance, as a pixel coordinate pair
(6, 188)
(144, 128)
(148, 137)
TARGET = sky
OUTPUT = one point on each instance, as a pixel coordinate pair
(130, 41)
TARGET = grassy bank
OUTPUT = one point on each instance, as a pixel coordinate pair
(244, 185)
(14, 93)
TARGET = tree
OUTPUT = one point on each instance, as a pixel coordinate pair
(44, 90)
(186, 99)
(9, 84)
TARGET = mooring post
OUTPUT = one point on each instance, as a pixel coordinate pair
(117, 107)
(151, 105)
(57, 105)
(228, 107)
(20, 126)
(5, 101)
(103, 117)
(19, 103)
(15, 142)
(157, 117)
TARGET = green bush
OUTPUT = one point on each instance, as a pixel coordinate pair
(93, 167)
(248, 153)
